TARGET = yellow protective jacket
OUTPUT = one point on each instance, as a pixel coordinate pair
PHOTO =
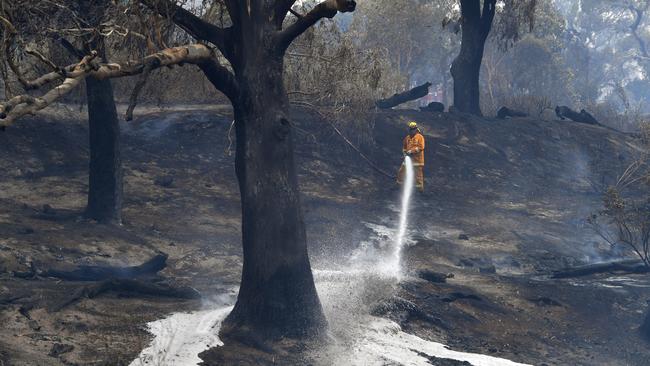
(416, 145)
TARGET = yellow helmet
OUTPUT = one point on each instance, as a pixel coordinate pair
(413, 124)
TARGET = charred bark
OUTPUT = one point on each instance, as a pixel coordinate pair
(583, 116)
(631, 266)
(277, 295)
(466, 67)
(105, 166)
(433, 107)
(100, 273)
(104, 202)
(407, 96)
(505, 112)
(131, 286)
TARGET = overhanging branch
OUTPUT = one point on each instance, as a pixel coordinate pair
(489, 9)
(282, 7)
(20, 106)
(221, 78)
(195, 26)
(24, 104)
(325, 9)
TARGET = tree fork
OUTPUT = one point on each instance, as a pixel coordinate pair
(466, 67)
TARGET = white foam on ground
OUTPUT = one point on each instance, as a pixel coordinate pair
(179, 338)
(384, 343)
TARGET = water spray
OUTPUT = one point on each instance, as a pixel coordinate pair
(407, 190)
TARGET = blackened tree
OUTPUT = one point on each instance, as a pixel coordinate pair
(46, 24)
(476, 22)
(465, 69)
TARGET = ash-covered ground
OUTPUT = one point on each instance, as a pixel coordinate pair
(505, 205)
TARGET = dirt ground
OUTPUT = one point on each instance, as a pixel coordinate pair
(505, 206)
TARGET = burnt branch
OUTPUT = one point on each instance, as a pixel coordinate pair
(470, 10)
(99, 273)
(628, 266)
(9, 51)
(282, 8)
(295, 13)
(489, 9)
(125, 285)
(326, 9)
(41, 58)
(133, 99)
(71, 48)
(233, 8)
(222, 78)
(195, 26)
(347, 141)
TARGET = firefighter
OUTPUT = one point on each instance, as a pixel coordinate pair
(413, 146)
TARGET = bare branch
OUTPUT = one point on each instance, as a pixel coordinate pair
(221, 78)
(282, 7)
(41, 58)
(24, 104)
(326, 9)
(347, 141)
(133, 100)
(195, 26)
(71, 48)
(295, 13)
(10, 38)
(88, 67)
(489, 9)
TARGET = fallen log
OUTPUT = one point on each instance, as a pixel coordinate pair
(583, 116)
(130, 286)
(629, 266)
(433, 107)
(100, 273)
(504, 112)
(435, 277)
(407, 96)
(11, 298)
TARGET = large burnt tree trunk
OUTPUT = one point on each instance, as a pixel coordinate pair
(105, 166)
(277, 295)
(466, 68)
